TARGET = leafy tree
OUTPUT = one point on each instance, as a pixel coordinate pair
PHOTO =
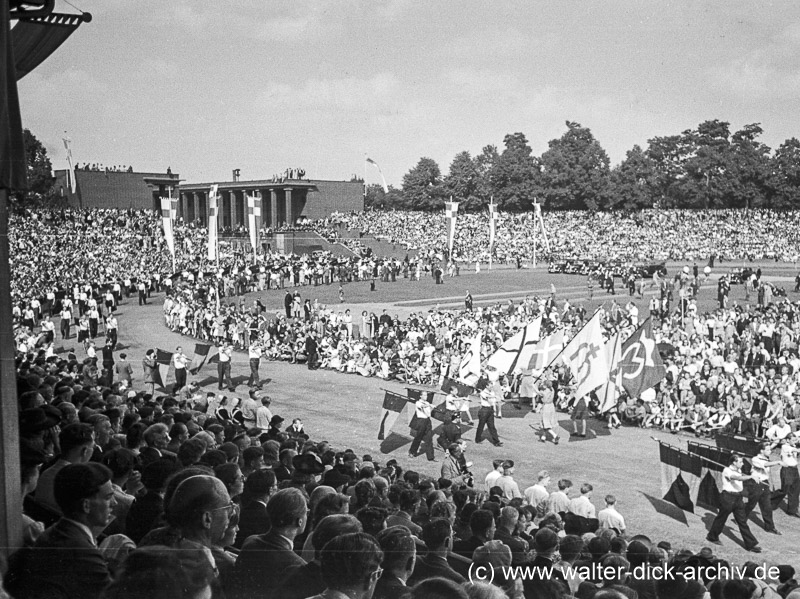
(786, 165)
(484, 163)
(422, 186)
(513, 175)
(378, 199)
(40, 170)
(668, 156)
(708, 182)
(463, 182)
(574, 171)
(751, 169)
(631, 182)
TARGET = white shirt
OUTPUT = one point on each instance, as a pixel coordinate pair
(536, 494)
(760, 471)
(611, 518)
(491, 479)
(582, 506)
(730, 485)
(788, 456)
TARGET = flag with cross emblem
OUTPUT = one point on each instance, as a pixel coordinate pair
(212, 222)
(586, 358)
(167, 216)
(450, 214)
(253, 218)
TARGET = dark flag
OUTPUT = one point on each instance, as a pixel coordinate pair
(680, 476)
(463, 389)
(641, 365)
(393, 405)
(201, 351)
(163, 361)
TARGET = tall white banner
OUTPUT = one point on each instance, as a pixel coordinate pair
(253, 216)
(166, 222)
(212, 222)
(450, 215)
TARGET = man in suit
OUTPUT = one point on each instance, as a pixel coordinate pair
(65, 560)
(399, 557)
(545, 543)
(350, 566)
(509, 516)
(407, 500)
(482, 525)
(311, 351)
(253, 519)
(438, 537)
(288, 300)
(265, 559)
(306, 580)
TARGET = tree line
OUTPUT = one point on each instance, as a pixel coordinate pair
(707, 167)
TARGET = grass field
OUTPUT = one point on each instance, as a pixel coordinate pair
(346, 409)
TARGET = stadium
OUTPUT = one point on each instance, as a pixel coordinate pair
(534, 376)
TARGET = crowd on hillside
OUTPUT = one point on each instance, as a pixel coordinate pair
(644, 235)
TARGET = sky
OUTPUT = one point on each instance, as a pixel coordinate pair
(205, 87)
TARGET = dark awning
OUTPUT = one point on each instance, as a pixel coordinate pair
(36, 38)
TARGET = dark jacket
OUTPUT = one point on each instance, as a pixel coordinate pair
(262, 565)
(253, 520)
(389, 587)
(62, 563)
(434, 566)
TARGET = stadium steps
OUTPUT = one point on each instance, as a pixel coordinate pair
(379, 247)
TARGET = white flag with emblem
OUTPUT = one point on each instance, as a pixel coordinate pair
(586, 358)
(212, 222)
(253, 219)
(469, 370)
(516, 353)
(608, 394)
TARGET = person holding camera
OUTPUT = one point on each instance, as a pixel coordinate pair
(452, 468)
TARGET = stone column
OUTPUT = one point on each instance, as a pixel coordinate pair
(273, 208)
(289, 212)
(196, 203)
(241, 207)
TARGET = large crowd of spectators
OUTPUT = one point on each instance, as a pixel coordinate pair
(192, 494)
(644, 235)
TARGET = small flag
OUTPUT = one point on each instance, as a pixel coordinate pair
(680, 476)
(641, 365)
(518, 350)
(393, 405)
(375, 164)
(201, 351)
(163, 361)
(71, 170)
(462, 389)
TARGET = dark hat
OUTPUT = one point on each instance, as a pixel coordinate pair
(334, 478)
(275, 420)
(308, 463)
(35, 420)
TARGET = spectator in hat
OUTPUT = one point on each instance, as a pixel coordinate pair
(253, 519)
(351, 566)
(437, 535)
(145, 513)
(265, 559)
(399, 557)
(65, 560)
(306, 580)
(77, 443)
(33, 423)
(274, 427)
